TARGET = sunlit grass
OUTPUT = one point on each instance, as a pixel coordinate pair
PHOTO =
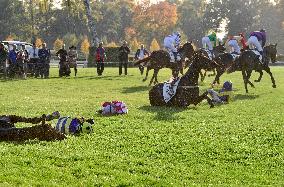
(240, 143)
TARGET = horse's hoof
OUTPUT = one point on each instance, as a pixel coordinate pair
(274, 86)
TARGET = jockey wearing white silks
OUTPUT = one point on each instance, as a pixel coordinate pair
(233, 44)
(171, 43)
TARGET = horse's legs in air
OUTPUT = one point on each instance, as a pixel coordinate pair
(154, 76)
(267, 69)
(202, 97)
(248, 77)
(217, 77)
(146, 76)
(156, 71)
(260, 76)
(245, 80)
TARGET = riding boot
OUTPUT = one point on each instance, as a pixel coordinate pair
(172, 57)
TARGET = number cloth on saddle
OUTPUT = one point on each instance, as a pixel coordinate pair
(170, 89)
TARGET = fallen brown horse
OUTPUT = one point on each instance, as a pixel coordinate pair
(43, 131)
(161, 59)
(187, 91)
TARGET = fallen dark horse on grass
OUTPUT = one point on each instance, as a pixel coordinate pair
(249, 61)
(42, 131)
(187, 91)
(161, 59)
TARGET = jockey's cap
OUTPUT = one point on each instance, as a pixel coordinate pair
(214, 33)
(241, 34)
(228, 86)
(262, 30)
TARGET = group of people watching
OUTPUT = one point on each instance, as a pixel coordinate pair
(23, 61)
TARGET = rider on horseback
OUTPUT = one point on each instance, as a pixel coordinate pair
(206, 41)
(242, 39)
(233, 44)
(171, 43)
(257, 40)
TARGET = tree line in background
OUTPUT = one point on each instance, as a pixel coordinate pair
(143, 22)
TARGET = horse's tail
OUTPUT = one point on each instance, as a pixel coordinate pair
(142, 60)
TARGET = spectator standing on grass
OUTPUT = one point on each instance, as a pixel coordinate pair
(44, 56)
(123, 57)
(33, 58)
(100, 58)
(3, 54)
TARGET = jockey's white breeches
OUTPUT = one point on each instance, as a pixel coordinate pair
(254, 43)
(233, 44)
(207, 43)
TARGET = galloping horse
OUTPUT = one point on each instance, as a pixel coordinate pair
(249, 61)
(187, 91)
(161, 59)
(218, 50)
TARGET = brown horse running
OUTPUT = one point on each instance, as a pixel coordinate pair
(249, 61)
(161, 59)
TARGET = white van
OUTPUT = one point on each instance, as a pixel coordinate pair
(8, 45)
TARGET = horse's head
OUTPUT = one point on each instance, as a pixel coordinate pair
(187, 50)
(200, 61)
(270, 51)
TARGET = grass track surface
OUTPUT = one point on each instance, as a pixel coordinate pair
(239, 144)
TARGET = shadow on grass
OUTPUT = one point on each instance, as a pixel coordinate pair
(134, 89)
(245, 97)
(164, 113)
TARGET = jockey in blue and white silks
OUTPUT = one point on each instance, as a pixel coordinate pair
(232, 42)
(257, 40)
(171, 43)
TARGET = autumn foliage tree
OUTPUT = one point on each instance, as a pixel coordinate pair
(38, 42)
(155, 20)
(58, 44)
(85, 45)
(154, 45)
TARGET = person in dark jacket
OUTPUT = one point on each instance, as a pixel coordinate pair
(100, 58)
(44, 60)
(64, 68)
(123, 57)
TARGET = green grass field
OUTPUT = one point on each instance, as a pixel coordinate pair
(238, 144)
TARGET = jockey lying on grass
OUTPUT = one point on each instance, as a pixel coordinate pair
(223, 95)
(171, 43)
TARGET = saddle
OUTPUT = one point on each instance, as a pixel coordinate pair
(256, 52)
(170, 88)
(235, 56)
(209, 53)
